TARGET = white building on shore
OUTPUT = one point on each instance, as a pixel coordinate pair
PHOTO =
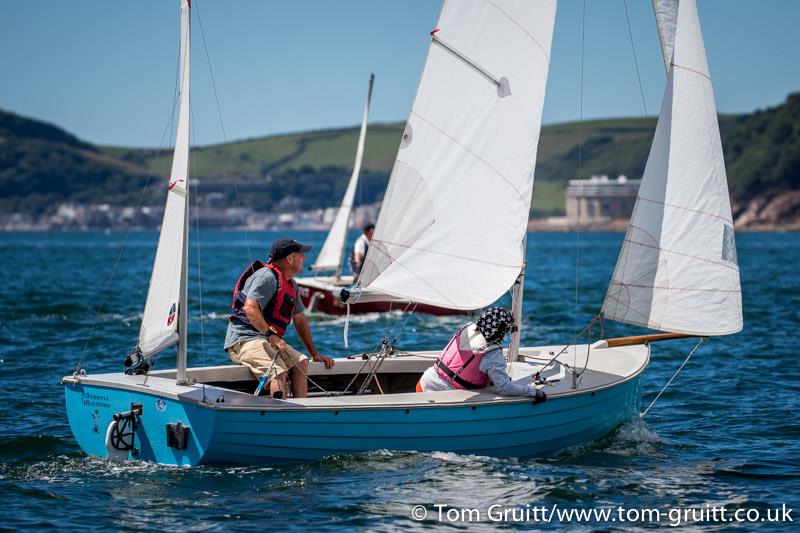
(600, 198)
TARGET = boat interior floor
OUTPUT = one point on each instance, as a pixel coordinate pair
(359, 379)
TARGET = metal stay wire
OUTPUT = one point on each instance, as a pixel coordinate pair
(192, 168)
(282, 354)
(167, 127)
(193, 162)
(573, 342)
(221, 122)
(635, 60)
(580, 163)
(691, 353)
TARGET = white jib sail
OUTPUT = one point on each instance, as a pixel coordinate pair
(666, 19)
(452, 222)
(330, 256)
(163, 306)
(677, 270)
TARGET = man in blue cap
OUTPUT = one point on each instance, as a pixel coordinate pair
(265, 302)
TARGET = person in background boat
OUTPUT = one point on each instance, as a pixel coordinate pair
(360, 249)
(265, 302)
(473, 359)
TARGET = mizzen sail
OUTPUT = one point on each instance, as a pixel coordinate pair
(452, 223)
(165, 303)
(330, 256)
(677, 270)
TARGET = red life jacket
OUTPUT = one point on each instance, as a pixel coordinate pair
(461, 368)
(278, 311)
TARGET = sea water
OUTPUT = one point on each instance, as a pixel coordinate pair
(723, 438)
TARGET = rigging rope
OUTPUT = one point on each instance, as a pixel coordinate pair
(578, 177)
(701, 341)
(265, 378)
(576, 376)
(386, 350)
(210, 71)
(221, 122)
(383, 345)
(635, 61)
(124, 245)
(566, 347)
(193, 161)
(346, 331)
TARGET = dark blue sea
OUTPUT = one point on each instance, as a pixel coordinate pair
(724, 437)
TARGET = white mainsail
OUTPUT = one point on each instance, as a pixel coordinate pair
(677, 270)
(330, 256)
(452, 223)
(165, 303)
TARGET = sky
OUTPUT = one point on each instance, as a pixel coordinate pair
(105, 70)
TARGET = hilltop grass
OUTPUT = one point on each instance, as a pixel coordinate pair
(253, 158)
(317, 149)
(548, 198)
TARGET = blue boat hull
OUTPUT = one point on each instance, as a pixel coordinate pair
(517, 428)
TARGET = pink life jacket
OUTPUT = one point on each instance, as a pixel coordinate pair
(461, 368)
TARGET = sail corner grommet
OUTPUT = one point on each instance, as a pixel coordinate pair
(503, 88)
(408, 136)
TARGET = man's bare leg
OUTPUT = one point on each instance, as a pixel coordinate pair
(278, 384)
(300, 379)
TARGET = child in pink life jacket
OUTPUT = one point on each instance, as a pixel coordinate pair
(473, 359)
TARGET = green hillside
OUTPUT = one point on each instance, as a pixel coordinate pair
(42, 165)
(762, 151)
(255, 158)
(315, 165)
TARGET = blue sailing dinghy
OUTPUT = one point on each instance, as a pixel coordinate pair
(451, 233)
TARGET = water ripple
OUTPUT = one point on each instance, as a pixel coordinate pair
(725, 433)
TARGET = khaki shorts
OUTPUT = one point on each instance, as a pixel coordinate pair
(259, 355)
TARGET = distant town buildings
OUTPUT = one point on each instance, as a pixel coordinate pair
(600, 198)
(105, 216)
(594, 202)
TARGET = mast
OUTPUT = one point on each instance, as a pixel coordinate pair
(183, 118)
(516, 304)
(183, 310)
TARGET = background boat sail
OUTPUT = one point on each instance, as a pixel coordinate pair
(321, 293)
(468, 156)
(332, 252)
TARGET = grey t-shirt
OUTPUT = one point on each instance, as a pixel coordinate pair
(261, 287)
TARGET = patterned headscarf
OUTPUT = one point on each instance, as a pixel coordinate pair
(495, 323)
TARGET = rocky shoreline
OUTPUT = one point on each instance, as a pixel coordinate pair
(780, 212)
